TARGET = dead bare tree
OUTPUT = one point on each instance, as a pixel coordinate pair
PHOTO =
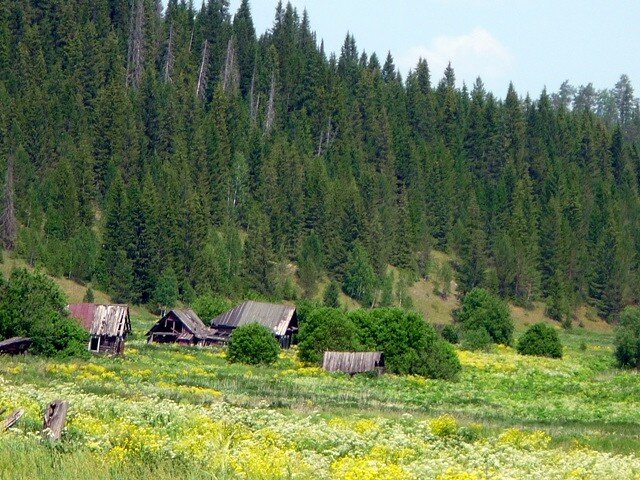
(169, 58)
(271, 105)
(8, 222)
(135, 57)
(202, 75)
(254, 100)
(326, 138)
(231, 73)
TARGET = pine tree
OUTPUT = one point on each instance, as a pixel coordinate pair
(472, 249)
(359, 277)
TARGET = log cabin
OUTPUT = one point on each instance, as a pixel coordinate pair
(108, 325)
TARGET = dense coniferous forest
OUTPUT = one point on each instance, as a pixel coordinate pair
(145, 148)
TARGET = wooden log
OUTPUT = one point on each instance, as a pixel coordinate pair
(55, 417)
(12, 420)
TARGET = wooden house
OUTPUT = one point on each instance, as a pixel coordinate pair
(108, 325)
(281, 319)
(14, 345)
(353, 362)
(183, 327)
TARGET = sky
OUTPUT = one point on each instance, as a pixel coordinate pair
(534, 43)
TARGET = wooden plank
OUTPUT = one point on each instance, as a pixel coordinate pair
(55, 417)
(12, 420)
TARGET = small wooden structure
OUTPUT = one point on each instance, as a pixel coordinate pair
(15, 345)
(183, 326)
(282, 319)
(108, 325)
(353, 362)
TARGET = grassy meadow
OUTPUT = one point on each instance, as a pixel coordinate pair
(168, 412)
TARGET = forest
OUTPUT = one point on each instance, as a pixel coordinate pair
(146, 147)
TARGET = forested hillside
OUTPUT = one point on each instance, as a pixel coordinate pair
(145, 147)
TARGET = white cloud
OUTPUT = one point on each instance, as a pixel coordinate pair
(477, 53)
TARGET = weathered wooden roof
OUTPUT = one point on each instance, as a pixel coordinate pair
(102, 320)
(191, 321)
(15, 345)
(276, 317)
(352, 362)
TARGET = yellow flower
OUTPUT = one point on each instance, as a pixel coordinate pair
(536, 440)
(444, 426)
(365, 468)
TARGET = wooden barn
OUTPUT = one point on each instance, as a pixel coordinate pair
(282, 319)
(353, 362)
(14, 345)
(108, 325)
(183, 327)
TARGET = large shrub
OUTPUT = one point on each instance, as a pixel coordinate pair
(410, 345)
(541, 340)
(253, 344)
(326, 329)
(628, 338)
(480, 309)
(32, 305)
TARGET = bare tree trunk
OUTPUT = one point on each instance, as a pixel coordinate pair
(135, 58)
(271, 106)
(55, 417)
(202, 75)
(8, 222)
(231, 74)
(168, 63)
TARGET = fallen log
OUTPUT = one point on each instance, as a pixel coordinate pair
(12, 420)
(55, 417)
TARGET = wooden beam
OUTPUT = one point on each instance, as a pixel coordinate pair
(55, 417)
(11, 420)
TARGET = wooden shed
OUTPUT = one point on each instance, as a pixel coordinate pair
(281, 319)
(184, 327)
(15, 345)
(108, 325)
(353, 362)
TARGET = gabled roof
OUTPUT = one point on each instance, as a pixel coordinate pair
(352, 362)
(191, 321)
(273, 316)
(99, 320)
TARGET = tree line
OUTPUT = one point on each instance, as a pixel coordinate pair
(146, 147)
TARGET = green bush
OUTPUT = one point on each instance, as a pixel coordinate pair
(450, 334)
(253, 344)
(628, 338)
(326, 329)
(32, 305)
(541, 340)
(476, 339)
(480, 309)
(410, 345)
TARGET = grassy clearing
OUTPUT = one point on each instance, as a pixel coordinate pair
(164, 411)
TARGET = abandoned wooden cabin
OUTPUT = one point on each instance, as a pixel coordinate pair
(14, 345)
(281, 319)
(183, 327)
(353, 362)
(108, 325)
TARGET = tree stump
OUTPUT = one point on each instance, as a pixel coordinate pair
(55, 417)
(11, 420)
